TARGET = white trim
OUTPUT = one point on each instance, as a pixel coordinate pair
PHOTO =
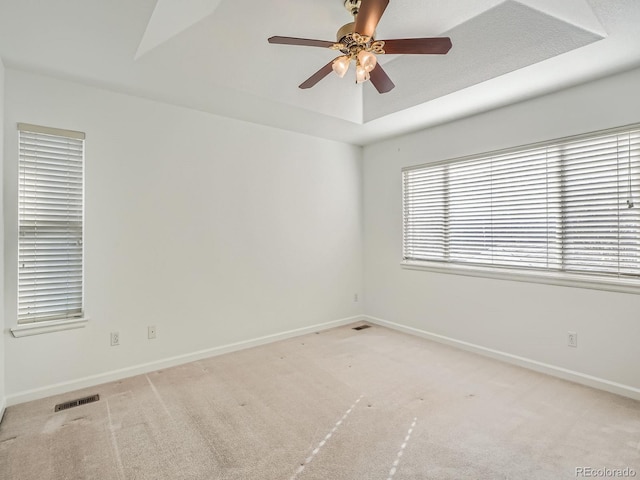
(550, 278)
(26, 127)
(38, 328)
(3, 408)
(93, 380)
(565, 374)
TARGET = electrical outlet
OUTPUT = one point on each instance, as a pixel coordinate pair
(572, 339)
(151, 332)
(115, 339)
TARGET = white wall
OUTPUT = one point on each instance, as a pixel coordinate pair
(219, 231)
(522, 319)
(214, 230)
(2, 339)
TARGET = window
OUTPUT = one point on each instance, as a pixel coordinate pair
(565, 206)
(50, 224)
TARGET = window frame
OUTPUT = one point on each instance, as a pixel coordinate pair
(543, 276)
(66, 321)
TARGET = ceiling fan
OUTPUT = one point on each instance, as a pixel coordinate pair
(357, 44)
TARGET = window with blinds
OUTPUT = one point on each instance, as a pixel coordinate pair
(50, 224)
(564, 206)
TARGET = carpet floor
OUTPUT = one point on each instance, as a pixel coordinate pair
(340, 404)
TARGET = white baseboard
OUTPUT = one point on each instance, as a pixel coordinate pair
(565, 374)
(3, 407)
(93, 380)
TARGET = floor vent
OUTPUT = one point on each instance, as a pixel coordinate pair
(362, 327)
(77, 402)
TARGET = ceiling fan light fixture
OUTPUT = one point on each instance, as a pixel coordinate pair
(361, 74)
(341, 65)
(367, 59)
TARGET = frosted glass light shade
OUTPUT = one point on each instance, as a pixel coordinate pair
(361, 74)
(341, 65)
(368, 60)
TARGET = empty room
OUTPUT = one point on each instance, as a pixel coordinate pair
(320, 240)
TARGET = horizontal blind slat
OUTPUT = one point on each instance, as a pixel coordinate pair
(525, 207)
(50, 213)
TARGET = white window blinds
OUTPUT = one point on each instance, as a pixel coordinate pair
(566, 206)
(50, 224)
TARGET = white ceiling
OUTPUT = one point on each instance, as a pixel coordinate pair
(213, 55)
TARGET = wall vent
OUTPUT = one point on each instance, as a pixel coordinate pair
(77, 402)
(362, 327)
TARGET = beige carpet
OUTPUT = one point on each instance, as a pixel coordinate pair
(336, 405)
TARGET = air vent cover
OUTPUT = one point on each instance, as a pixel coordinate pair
(77, 402)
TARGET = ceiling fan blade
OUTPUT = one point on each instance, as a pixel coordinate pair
(439, 45)
(300, 41)
(369, 16)
(381, 80)
(319, 75)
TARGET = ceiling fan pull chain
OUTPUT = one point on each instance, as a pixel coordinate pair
(630, 203)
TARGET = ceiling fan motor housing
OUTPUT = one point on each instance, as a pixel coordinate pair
(345, 31)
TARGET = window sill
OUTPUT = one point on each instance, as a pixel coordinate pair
(549, 278)
(38, 328)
